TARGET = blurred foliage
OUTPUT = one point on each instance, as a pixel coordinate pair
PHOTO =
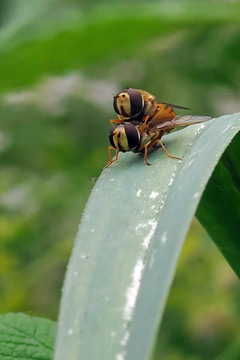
(60, 63)
(202, 313)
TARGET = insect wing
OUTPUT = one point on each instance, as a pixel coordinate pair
(190, 120)
(177, 106)
(182, 121)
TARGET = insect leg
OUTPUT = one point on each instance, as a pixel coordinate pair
(145, 155)
(152, 143)
(110, 156)
(146, 147)
(165, 150)
(145, 119)
(114, 121)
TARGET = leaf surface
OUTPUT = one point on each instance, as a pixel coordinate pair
(26, 337)
(129, 242)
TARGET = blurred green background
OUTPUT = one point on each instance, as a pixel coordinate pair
(60, 63)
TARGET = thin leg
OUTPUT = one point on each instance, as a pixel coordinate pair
(115, 121)
(153, 143)
(165, 150)
(146, 147)
(110, 156)
(145, 119)
(145, 155)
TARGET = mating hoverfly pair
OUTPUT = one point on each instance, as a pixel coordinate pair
(142, 122)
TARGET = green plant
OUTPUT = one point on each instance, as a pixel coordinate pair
(128, 245)
(51, 154)
(131, 235)
(26, 337)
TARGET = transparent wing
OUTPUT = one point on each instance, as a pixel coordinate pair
(177, 106)
(190, 120)
(182, 121)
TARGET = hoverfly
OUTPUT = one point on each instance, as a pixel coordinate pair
(139, 106)
(139, 138)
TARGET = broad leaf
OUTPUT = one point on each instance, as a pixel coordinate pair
(128, 244)
(26, 337)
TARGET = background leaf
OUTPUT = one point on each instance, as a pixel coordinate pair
(129, 242)
(219, 210)
(26, 337)
(61, 61)
(46, 48)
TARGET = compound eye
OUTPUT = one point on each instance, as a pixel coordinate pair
(110, 136)
(133, 136)
(128, 103)
(118, 103)
(136, 101)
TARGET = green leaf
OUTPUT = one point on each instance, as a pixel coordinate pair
(219, 210)
(129, 242)
(26, 337)
(232, 352)
(28, 55)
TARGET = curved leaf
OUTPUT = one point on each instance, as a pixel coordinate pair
(219, 209)
(128, 244)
